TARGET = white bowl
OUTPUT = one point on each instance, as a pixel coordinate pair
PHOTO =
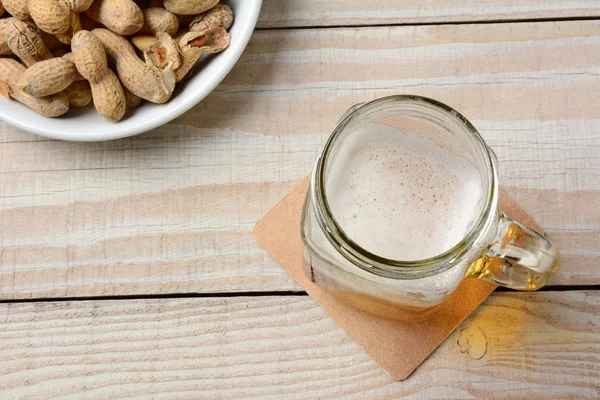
(87, 125)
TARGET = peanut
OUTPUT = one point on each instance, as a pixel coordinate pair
(164, 53)
(50, 106)
(1, 9)
(76, 6)
(131, 99)
(141, 79)
(158, 20)
(25, 40)
(120, 16)
(4, 49)
(80, 94)
(219, 15)
(50, 16)
(48, 77)
(189, 7)
(17, 8)
(90, 59)
(193, 44)
(142, 43)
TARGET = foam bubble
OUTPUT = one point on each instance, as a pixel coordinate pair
(402, 197)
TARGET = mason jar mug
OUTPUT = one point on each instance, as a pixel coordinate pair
(376, 156)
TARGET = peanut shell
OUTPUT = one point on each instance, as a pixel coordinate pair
(25, 40)
(219, 15)
(4, 49)
(76, 5)
(158, 20)
(123, 17)
(19, 9)
(189, 7)
(90, 59)
(143, 80)
(50, 16)
(80, 94)
(193, 44)
(48, 77)
(50, 106)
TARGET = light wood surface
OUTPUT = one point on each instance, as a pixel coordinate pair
(298, 13)
(517, 345)
(171, 211)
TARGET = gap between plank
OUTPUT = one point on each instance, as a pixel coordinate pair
(551, 288)
(282, 293)
(470, 22)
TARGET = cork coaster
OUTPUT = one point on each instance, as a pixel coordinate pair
(397, 346)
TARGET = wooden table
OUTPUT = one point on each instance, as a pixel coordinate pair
(128, 268)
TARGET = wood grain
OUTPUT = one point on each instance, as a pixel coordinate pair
(171, 211)
(301, 13)
(517, 345)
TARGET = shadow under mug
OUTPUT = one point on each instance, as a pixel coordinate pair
(495, 249)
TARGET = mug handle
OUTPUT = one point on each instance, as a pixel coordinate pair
(518, 258)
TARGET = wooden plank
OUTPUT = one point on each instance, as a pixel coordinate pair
(171, 211)
(517, 345)
(301, 13)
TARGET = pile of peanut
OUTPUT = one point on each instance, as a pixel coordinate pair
(115, 53)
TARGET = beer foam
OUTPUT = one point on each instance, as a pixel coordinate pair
(401, 196)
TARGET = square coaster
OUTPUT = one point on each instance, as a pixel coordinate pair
(397, 346)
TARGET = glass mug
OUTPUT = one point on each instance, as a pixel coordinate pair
(495, 248)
